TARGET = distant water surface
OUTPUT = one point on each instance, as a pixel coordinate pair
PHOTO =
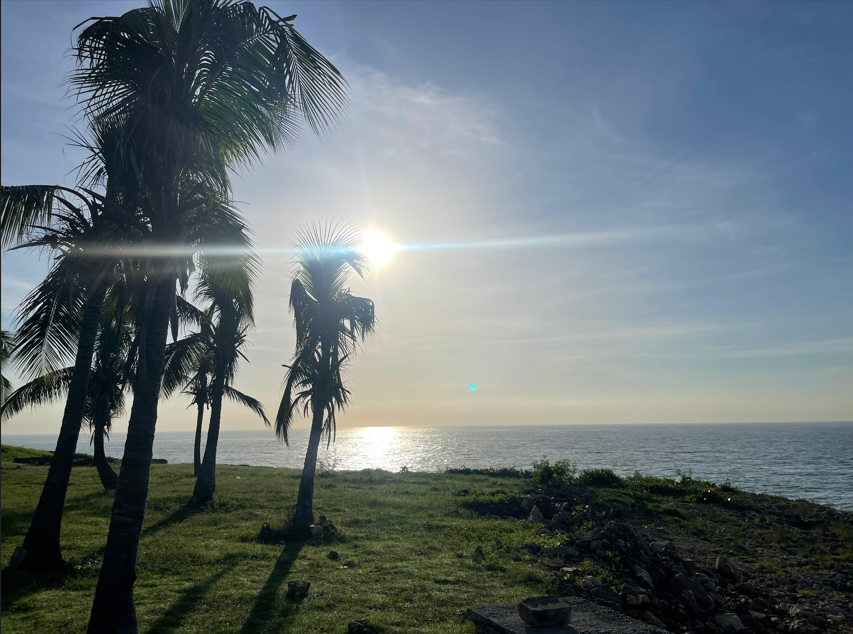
(795, 460)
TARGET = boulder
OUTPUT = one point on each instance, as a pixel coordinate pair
(729, 622)
(643, 575)
(536, 516)
(545, 611)
(728, 569)
(297, 589)
(703, 599)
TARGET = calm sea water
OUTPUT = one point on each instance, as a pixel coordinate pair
(796, 460)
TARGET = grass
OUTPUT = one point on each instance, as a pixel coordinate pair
(407, 546)
(7, 452)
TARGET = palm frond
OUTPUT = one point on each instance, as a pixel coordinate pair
(247, 401)
(42, 390)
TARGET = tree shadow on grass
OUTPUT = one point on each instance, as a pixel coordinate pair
(180, 515)
(173, 618)
(262, 611)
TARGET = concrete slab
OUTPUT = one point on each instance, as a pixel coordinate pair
(587, 618)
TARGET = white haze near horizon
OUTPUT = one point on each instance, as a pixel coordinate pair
(670, 286)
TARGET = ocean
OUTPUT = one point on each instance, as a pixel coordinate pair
(795, 460)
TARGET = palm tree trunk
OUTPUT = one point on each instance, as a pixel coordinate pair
(304, 517)
(197, 449)
(206, 483)
(113, 610)
(105, 471)
(41, 545)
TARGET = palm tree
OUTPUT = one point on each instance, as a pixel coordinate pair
(105, 398)
(60, 318)
(189, 365)
(330, 323)
(205, 85)
(205, 364)
(229, 318)
(5, 357)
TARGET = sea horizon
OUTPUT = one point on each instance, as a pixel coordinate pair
(810, 460)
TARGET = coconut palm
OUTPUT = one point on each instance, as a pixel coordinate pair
(105, 397)
(330, 322)
(59, 319)
(205, 364)
(205, 85)
(5, 357)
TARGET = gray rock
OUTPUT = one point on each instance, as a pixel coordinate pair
(651, 619)
(729, 622)
(561, 520)
(547, 611)
(536, 516)
(297, 589)
(644, 576)
(587, 618)
(703, 599)
(728, 569)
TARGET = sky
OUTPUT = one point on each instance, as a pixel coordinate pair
(635, 212)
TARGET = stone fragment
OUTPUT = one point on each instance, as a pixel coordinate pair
(297, 589)
(644, 576)
(651, 619)
(729, 622)
(728, 569)
(703, 599)
(545, 611)
(536, 516)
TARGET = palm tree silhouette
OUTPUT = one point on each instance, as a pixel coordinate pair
(330, 322)
(205, 362)
(204, 85)
(106, 388)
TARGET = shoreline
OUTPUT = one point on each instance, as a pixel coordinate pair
(456, 539)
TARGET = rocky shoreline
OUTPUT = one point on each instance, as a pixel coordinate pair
(719, 563)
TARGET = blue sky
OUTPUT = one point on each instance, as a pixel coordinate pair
(652, 206)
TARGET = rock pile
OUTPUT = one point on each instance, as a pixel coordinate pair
(649, 579)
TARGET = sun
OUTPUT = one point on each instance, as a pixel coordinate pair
(377, 247)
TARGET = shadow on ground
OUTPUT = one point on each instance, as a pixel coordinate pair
(173, 618)
(262, 611)
(187, 510)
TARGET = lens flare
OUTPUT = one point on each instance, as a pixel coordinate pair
(377, 247)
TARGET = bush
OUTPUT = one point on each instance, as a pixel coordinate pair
(561, 472)
(505, 472)
(604, 478)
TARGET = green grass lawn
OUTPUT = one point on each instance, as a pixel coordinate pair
(405, 544)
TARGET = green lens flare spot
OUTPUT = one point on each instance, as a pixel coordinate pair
(473, 387)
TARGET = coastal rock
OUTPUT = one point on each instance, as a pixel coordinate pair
(545, 611)
(644, 576)
(297, 589)
(703, 599)
(561, 520)
(729, 622)
(728, 569)
(536, 516)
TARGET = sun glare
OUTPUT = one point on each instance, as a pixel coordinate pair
(377, 247)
